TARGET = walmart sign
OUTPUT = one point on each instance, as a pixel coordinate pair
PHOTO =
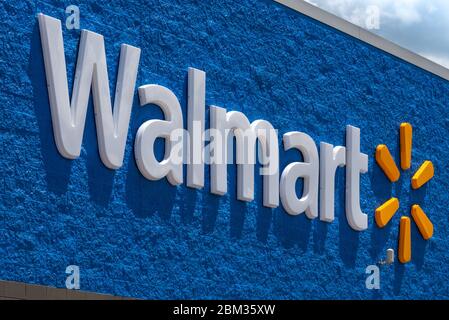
(197, 145)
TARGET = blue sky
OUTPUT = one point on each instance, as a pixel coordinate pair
(419, 25)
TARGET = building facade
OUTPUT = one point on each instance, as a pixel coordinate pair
(292, 66)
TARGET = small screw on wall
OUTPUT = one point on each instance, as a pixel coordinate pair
(389, 259)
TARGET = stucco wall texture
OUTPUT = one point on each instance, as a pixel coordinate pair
(146, 239)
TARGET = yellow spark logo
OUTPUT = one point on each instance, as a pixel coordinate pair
(387, 210)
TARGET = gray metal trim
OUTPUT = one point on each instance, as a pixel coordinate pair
(365, 36)
(12, 290)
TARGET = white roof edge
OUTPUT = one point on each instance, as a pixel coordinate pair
(365, 36)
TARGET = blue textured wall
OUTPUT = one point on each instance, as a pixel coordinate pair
(148, 239)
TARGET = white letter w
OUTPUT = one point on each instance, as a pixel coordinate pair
(68, 118)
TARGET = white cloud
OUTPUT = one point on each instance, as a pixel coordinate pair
(419, 25)
(406, 11)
